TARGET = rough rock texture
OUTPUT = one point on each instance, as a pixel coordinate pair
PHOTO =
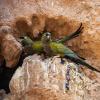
(29, 17)
(11, 50)
(83, 87)
(35, 72)
(60, 17)
(39, 94)
(39, 79)
(2, 94)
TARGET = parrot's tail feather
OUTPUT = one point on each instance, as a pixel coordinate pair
(81, 57)
(72, 35)
(77, 60)
(77, 32)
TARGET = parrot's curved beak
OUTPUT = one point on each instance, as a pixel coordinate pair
(20, 39)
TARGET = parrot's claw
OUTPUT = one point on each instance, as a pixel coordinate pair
(67, 86)
(58, 56)
(62, 61)
(53, 58)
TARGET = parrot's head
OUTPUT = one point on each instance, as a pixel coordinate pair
(25, 40)
(46, 37)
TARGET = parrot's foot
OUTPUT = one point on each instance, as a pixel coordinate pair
(62, 61)
(53, 58)
(67, 86)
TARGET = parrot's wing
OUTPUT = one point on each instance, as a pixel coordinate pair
(59, 48)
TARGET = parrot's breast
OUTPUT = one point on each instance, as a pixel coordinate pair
(37, 47)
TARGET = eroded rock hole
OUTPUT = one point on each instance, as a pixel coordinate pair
(5, 76)
(7, 73)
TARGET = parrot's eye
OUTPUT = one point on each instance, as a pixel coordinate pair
(48, 34)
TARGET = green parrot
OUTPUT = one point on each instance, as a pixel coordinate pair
(27, 42)
(52, 48)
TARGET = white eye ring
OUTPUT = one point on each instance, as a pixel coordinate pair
(48, 36)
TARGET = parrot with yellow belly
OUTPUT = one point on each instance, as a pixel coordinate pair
(52, 48)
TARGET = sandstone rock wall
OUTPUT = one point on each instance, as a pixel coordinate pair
(30, 17)
(60, 17)
(39, 79)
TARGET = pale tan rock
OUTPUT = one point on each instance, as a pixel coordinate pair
(39, 80)
(11, 50)
(46, 79)
(40, 94)
(37, 73)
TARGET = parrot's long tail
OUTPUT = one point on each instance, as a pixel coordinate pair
(78, 60)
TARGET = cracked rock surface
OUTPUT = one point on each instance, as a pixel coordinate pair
(61, 17)
(39, 79)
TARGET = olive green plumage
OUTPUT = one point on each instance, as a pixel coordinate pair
(51, 48)
(56, 48)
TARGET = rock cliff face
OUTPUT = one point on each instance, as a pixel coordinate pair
(61, 17)
(39, 80)
(47, 79)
